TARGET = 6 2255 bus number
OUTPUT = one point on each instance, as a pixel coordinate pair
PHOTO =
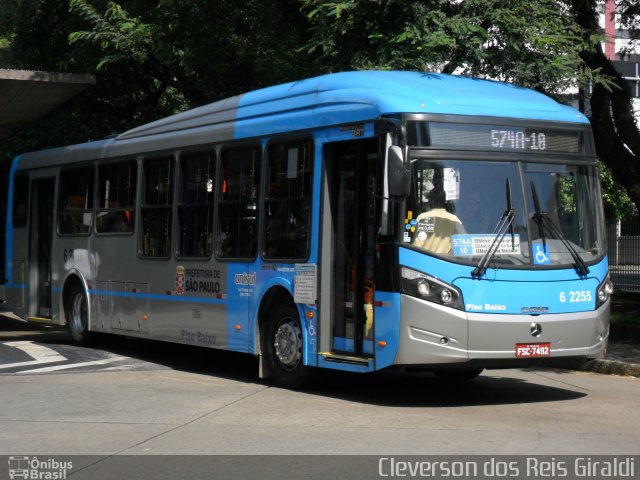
(575, 296)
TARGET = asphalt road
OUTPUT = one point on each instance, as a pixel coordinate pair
(136, 397)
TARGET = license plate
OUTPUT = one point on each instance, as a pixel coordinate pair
(529, 350)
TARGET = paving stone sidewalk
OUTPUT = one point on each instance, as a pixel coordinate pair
(623, 354)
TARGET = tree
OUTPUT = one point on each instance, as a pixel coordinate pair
(615, 129)
(531, 43)
(201, 50)
(154, 58)
(552, 46)
(151, 59)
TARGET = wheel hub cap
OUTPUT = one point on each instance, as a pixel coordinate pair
(288, 344)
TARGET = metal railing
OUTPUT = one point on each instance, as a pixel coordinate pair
(623, 238)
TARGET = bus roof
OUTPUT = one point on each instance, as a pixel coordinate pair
(332, 99)
(364, 95)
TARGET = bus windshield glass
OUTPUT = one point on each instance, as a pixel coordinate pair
(527, 213)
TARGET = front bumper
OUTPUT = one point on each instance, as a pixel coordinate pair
(431, 334)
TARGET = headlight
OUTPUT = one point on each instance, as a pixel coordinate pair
(423, 287)
(431, 289)
(605, 289)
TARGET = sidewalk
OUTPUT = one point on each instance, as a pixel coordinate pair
(623, 354)
(623, 358)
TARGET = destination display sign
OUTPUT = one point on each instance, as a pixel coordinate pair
(479, 244)
(499, 137)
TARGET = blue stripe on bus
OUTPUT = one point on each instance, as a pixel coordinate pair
(157, 296)
(8, 271)
(17, 286)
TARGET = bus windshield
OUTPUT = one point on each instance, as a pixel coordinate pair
(527, 213)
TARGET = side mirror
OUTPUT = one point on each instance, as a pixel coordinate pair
(399, 171)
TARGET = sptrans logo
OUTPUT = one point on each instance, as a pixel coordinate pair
(33, 468)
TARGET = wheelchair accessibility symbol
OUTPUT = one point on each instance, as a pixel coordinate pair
(540, 253)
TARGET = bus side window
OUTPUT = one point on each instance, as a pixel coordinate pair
(75, 203)
(116, 197)
(288, 201)
(156, 207)
(238, 203)
(195, 204)
(20, 200)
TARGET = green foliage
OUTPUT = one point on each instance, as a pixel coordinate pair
(628, 17)
(119, 35)
(617, 204)
(153, 58)
(202, 49)
(532, 43)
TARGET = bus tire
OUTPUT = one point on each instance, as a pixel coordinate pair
(455, 375)
(285, 347)
(77, 313)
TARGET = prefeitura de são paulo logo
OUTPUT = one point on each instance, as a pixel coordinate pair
(38, 469)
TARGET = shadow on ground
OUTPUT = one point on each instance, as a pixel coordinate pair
(391, 387)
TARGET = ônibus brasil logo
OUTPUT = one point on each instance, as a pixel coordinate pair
(35, 469)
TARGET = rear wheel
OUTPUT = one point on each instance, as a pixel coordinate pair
(77, 313)
(285, 347)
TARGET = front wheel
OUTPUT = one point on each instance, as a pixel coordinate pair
(77, 312)
(285, 347)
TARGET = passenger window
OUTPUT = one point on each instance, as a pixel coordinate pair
(155, 240)
(195, 205)
(238, 203)
(288, 201)
(75, 202)
(116, 198)
(20, 200)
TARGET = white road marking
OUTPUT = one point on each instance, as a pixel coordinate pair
(74, 365)
(39, 353)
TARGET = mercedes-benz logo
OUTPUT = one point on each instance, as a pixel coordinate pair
(536, 329)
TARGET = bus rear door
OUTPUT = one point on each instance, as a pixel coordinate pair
(40, 239)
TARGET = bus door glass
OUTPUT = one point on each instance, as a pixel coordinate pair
(237, 230)
(3, 209)
(40, 238)
(351, 179)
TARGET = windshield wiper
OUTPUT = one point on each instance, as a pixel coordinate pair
(537, 217)
(542, 219)
(579, 264)
(505, 223)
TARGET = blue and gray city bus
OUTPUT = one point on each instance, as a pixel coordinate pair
(354, 221)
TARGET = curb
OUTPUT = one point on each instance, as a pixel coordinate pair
(611, 367)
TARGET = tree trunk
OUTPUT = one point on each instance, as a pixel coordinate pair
(615, 130)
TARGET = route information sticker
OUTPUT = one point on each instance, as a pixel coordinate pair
(304, 285)
(478, 244)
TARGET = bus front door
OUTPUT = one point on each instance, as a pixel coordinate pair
(347, 262)
(40, 238)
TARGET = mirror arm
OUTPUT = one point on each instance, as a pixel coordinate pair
(398, 128)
